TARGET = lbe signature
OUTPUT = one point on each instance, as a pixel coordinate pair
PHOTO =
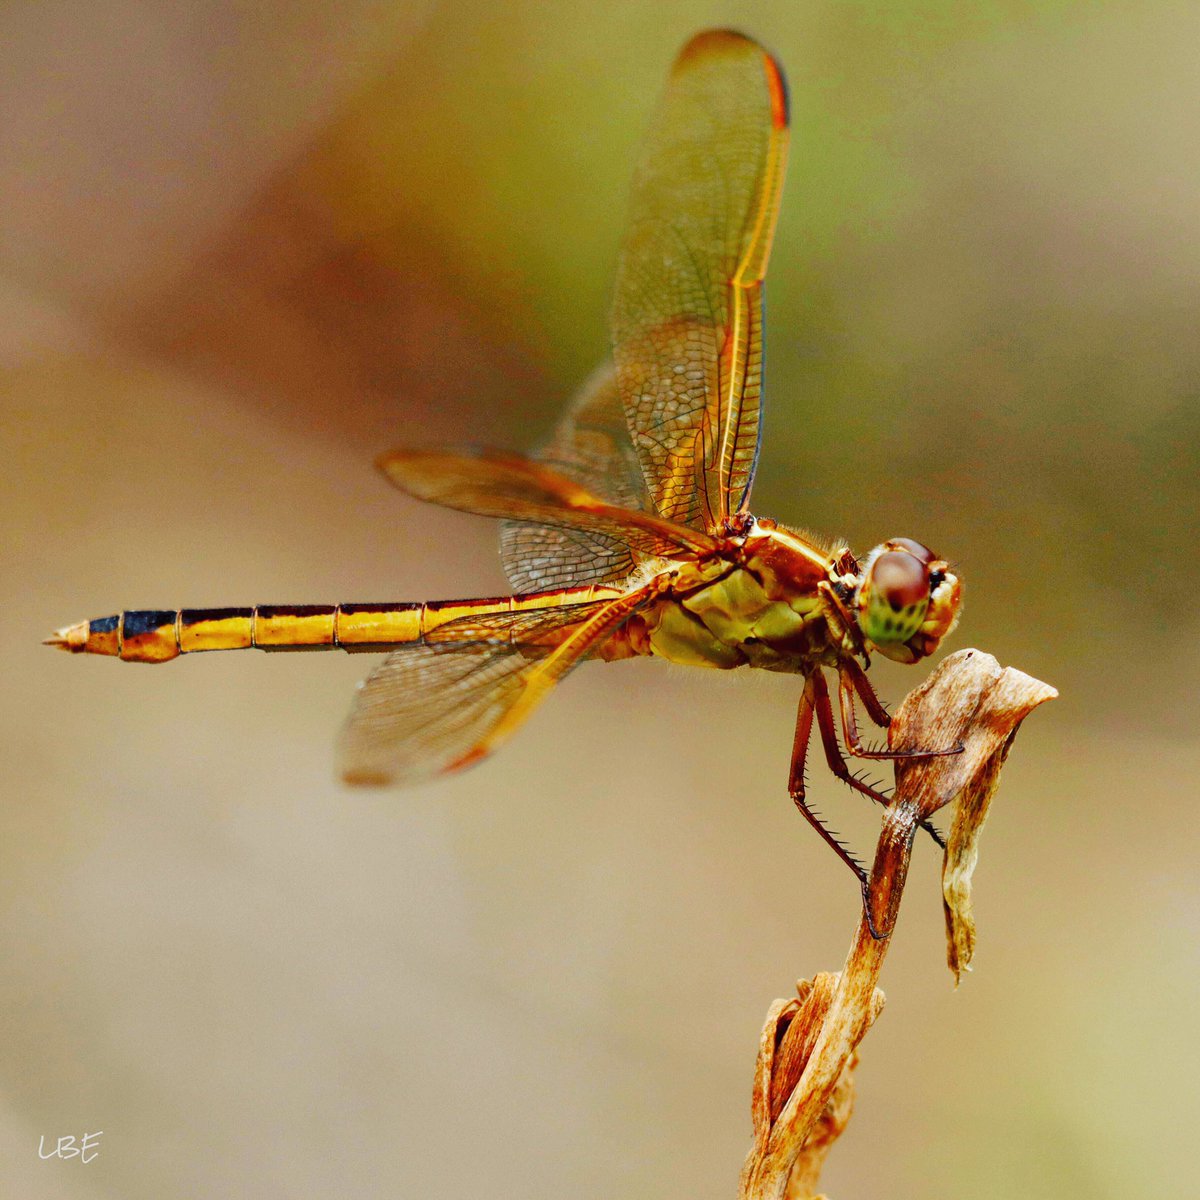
(85, 1148)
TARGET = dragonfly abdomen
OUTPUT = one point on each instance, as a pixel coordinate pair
(159, 635)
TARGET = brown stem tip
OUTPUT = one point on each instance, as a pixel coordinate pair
(970, 700)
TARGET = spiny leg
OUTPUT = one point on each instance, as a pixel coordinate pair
(796, 789)
(875, 707)
(847, 686)
(833, 752)
(829, 741)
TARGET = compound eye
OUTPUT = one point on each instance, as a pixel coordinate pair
(900, 579)
(920, 553)
(893, 599)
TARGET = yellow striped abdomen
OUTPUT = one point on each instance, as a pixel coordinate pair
(159, 635)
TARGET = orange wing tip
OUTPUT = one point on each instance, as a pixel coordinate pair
(472, 756)
(72, 638)
(712, 42)
(777, 89)
(412, 471)
(392, 458)
(366, 779)
(437, 459)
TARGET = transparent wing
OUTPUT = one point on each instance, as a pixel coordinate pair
(497, 484)
(687, 311)
(590, 446)
(444, 704)
(541, 557)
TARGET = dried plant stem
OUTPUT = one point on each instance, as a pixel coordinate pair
(852, 1008)
(809, 1045)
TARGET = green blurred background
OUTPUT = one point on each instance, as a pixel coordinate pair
(244, 248)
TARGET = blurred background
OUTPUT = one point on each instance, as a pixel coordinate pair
(243, 249)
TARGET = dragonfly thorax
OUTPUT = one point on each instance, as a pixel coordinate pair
(760, 603)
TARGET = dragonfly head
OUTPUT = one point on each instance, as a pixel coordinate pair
(907, 601)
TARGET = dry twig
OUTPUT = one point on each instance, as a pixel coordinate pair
(803, 1088)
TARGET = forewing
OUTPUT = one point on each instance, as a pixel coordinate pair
(590, 446)
(442, 705)
(493, 483)
(687, 311)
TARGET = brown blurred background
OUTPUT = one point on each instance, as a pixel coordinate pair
(245, 247)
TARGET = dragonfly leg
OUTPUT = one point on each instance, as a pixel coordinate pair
(833, 752)
(847, 686)
(796, 788)
(866, 693)
(849, 624)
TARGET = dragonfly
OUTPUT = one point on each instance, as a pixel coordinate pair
(628, 533)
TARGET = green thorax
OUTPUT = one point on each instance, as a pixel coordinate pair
(759, 605)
